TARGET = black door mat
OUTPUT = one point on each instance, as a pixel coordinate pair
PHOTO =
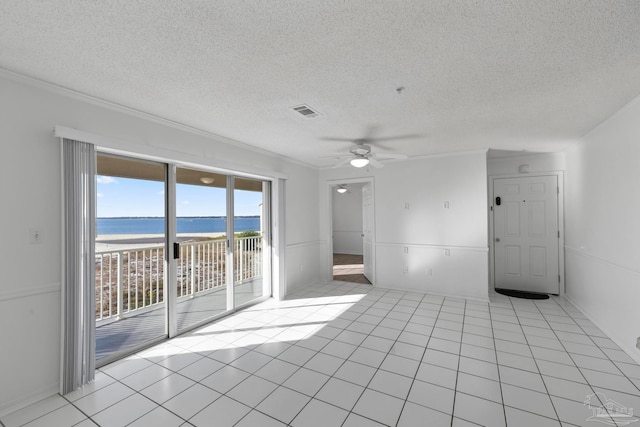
(521, 294)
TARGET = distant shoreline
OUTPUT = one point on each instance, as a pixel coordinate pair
(162, 217)
(184, 225)
(115, 242)
(144, 236)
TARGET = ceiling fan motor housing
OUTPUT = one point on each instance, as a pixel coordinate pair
(360, 149)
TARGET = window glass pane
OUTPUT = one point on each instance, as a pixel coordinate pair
(129, 264)
(201, 214)
(249, 265)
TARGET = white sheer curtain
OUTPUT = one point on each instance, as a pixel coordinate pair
(78, 293)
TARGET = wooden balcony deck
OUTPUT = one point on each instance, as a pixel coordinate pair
(131, 332)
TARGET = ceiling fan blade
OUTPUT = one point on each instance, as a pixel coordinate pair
(342, 163)
(337, 156)
(377, 141)
(375, 163)
(392, 138)
(390, 156)
(337, 139)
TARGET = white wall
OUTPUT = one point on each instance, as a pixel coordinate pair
(347, 220)
(305, 252)
(603, 226)
(410, 242)
(547, 162)
(31, 198)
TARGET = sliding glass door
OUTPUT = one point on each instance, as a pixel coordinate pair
(251, 213)
(201, 232)
(130, 255)
(176, 247)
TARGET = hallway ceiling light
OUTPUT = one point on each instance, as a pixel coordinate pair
(359, 161)
(207, 179)
(341, 189)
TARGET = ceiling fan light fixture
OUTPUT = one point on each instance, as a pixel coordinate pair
(359, 161)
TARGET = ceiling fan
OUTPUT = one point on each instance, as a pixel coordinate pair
(362, 154)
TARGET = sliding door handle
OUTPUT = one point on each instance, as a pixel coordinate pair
(176, 250)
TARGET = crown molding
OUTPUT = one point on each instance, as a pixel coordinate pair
(114, 106)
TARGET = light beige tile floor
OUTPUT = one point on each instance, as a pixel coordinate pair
(343, 354)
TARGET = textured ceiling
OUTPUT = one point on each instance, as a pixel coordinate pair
(517, 75)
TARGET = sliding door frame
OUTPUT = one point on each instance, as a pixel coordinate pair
(170, 261)
(230, 261)
(274, 209)
(169, 204)
(145, 151)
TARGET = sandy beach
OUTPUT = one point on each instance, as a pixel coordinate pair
(115, 242)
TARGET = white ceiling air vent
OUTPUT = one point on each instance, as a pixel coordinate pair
(306, 111)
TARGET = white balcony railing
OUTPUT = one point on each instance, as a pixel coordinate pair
(131, 281)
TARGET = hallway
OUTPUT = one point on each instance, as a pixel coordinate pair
(349, 268)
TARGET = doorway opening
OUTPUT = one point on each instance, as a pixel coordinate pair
(349, 268)
(349, 221)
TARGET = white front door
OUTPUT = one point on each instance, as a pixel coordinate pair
(526, 234)
(367, 231)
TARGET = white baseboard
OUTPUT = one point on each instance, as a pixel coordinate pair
(631, 352)
(29, 399)
(611, 288)
(439, 294)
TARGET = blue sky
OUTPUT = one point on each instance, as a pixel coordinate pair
(135, 197)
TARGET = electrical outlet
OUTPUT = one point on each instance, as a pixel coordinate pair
(446, 204)
(405, 250)
(406, 205)
(447, 252)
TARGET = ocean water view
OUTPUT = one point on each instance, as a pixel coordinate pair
(155, 225)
